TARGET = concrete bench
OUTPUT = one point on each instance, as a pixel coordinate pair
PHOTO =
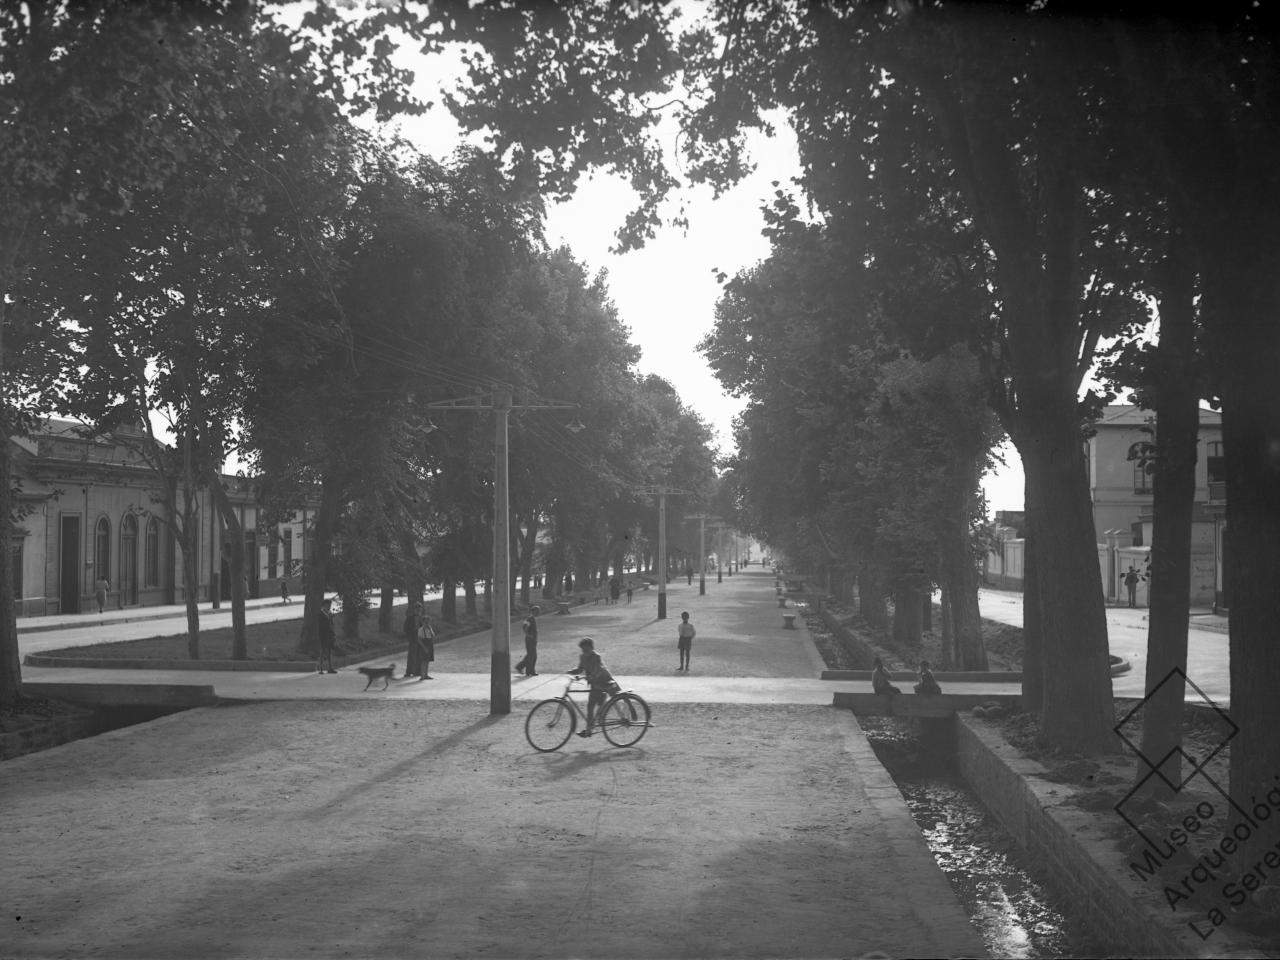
(789, 621)
(562, 606)
(782, 602)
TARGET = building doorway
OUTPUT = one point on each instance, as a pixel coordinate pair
(129, 561)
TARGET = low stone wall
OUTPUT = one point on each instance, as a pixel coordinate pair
(857, 647)
(1077, 845)
(51, 733)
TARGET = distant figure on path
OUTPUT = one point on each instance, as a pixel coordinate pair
(100, 588)
(1131, 584)
(927, 683)
(284, 591)
(426, 641)
(684, 641)
(880, 682)
(688, 572)
(528, 665)
(630, 590)
(325, 628)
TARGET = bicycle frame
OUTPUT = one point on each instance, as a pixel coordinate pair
(622, 717)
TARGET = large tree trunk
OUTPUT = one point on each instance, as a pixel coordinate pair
(386, 601)
(961, 576)
(10, 660)
(948, 633)
(906, 614)
(1077, 708)
(191, 579)
(1033, 678)
(317, 567)
(235, 537)
(1177, 435)
(871, 591)
(1242, 295)
(449, 600)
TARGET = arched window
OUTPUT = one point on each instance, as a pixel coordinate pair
(151, 565)
(102, 549)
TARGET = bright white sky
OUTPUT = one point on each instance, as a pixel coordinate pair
(666, 292)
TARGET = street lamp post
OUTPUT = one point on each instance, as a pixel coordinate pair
(662, 554)
(500, 655)
(500, 646)
(702, 556)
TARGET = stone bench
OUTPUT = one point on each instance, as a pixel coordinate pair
(562, 606)
(782, 602)
(789, 621)
(916, 705)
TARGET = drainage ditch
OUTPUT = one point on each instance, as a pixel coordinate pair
(1007, 894)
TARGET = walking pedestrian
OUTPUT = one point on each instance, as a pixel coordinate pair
(100, 588)
(284, 591)
(325, 628)
(528, 664)
(630, 590)
(1131, 584)
(688, 572)
(684, 641)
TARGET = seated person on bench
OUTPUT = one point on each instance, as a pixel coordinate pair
(927, 683)
(880, 679)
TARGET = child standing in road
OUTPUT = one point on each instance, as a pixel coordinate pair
(684, 641)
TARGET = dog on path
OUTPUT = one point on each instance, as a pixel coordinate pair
(385, 674)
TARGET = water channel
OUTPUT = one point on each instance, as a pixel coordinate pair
(1008, 896)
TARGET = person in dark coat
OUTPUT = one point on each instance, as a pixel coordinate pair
(528, 665)
(880, 681)
(927, 682)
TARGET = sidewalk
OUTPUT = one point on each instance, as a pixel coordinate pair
(750, 821)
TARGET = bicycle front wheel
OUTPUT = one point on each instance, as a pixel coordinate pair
(549, 725)
(624, 720)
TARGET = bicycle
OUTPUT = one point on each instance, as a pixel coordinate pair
(623, 719)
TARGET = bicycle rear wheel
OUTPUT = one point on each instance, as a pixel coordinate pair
(624, 720)
(549, 725)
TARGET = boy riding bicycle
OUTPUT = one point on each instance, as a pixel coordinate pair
(592, 667)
